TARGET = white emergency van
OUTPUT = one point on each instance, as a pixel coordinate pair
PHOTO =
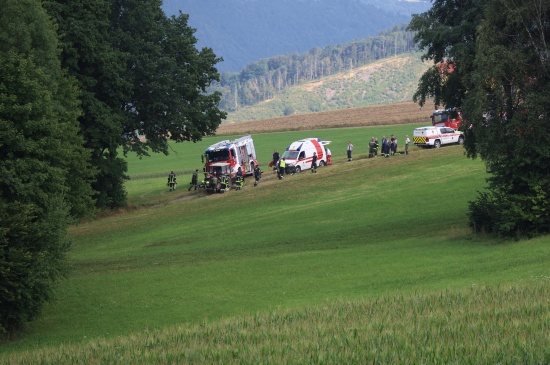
(299, 154)
(433, 136)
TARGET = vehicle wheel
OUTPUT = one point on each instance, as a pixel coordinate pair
(437, 143)
(298, 169)
(322, 163)
(460, 140)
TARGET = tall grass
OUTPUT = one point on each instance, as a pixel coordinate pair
(502, 325)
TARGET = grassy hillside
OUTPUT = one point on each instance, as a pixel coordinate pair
(390, 80)
(370, 259)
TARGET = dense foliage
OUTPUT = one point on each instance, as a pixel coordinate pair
(124, 77)
(45, 173)
(491, 57)
(509, 111)
(260, 80)
(447, 35)
(142, 79)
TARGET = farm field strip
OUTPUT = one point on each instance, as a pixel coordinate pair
(389, 114)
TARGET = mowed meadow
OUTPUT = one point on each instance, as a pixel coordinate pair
(365, 261)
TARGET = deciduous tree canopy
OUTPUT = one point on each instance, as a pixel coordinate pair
(134, 80)
(447, 34)
(509, 111)
(501, 79)
(143, 82)
(45, 173)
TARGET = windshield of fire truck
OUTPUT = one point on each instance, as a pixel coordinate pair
(218, 155)
(440, 117)
(220, 170)
(290, 154)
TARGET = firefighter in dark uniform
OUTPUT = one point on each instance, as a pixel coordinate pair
(372, 147)
(275, 160)
(214, 183)
(314, 163)
(224, 183)
(194, 180)
(205, 184)
(239, 179)
(257, 175)
(172, 181)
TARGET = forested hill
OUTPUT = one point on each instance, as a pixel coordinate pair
(273, 78)
(242, 31)
(389, 80)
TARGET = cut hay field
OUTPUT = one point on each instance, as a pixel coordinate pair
(387, 114)
(369, 261)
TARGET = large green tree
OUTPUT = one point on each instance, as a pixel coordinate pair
(45, 173)
(143, 82)
(499, 55)
(447, 35)
(87, 53)
(509, 112)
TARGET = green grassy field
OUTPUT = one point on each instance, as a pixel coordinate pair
(147, 184)
(187, 277)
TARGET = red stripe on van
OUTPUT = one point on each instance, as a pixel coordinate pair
(318, 148)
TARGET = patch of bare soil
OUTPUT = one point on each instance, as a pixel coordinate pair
(389, 114)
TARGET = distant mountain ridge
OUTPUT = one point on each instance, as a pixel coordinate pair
(389, 80)
(242, 31)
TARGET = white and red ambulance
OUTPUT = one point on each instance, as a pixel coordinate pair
(299, 154)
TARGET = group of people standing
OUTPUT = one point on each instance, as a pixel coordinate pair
(278, 164)
(195, 184)
(240, 178)
(173, 182)
(388, 146)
